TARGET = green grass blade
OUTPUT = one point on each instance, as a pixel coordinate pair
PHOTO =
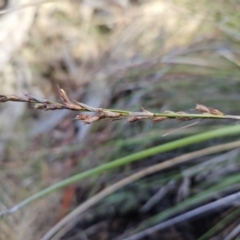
(232, 130)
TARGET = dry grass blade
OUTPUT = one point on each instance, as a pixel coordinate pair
(145, 172)
(184, 127)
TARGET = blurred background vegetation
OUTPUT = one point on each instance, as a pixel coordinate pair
(124, 54)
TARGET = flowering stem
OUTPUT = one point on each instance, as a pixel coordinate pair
(116, 114)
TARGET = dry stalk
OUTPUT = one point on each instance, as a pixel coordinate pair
(114, 114)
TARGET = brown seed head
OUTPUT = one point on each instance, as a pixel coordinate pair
(136, 118)
(215, 111)
(158, 119)
(202, 108)
(87, 119)
(63, 96)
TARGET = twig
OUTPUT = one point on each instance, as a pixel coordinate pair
(116, 114)
(145, 172)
